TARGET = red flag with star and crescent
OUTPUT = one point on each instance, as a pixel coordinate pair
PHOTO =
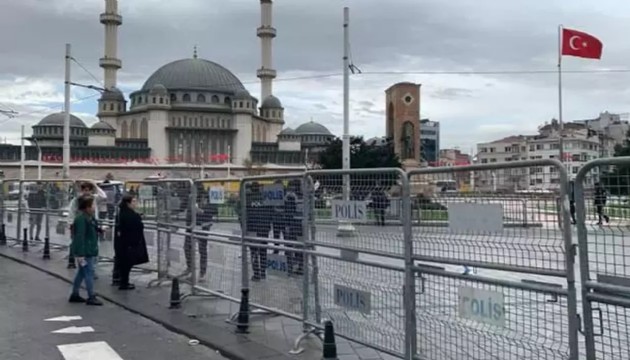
(581, 44)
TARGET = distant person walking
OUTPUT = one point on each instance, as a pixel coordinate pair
(380, 203)
(293, 215)
(130, 246)
(36, 201)
(257, 224)
(85, 249)
(600, 201)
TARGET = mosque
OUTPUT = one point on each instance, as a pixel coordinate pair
(188, 111)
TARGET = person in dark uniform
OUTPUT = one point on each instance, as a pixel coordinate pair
(600, 202)
(380, 203)
(293, 215)
(257, 224)
(572, 202)
(278, 221)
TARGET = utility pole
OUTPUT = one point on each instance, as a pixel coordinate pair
(66, 121)
(22, 155)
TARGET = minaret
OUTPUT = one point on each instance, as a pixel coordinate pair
(110, 62)
(266, 32)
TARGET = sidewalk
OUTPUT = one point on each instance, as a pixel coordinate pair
(204, 319)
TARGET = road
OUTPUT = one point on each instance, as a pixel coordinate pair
(29, 297)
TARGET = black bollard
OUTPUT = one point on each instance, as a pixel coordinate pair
(242, 325)
(329, 346)
(25, 241)
(46, 248)
(72, 263)
(176, 300)
(3, 235)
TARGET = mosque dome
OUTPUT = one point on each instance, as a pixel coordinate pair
(101, 125)
(242, 94)
(57, 119)
(287, 132)
(271, 102)
(113, 94)
(312, 128)
(158, 89)
(194, 74)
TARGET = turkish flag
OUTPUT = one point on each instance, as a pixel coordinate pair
(577, 43)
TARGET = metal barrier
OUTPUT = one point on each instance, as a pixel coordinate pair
(602, 209)
(520, 302)
(10, 196)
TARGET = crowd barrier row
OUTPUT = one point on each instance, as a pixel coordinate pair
(438, 263)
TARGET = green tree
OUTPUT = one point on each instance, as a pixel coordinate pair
(617, 180)
(362, 156)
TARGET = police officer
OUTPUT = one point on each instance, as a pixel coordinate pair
(257, 224)
(293, 213)
(279, 222)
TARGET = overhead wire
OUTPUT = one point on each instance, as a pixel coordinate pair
(86, 70)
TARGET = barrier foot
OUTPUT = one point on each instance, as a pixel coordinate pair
(3, 235)
(72, 263)
(242, 325)
(297, 349)
(330, 346)
(25, 241)
(176, 301)
(46, 255)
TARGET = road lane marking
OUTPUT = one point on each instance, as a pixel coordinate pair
(74, 330)
(98, 350)
(65, 318)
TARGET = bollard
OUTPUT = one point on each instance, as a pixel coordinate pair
(242, 325)
(25, 241)
(72, 263)
(3, 235)
(46, 248)
(176, 300)
(329, 346)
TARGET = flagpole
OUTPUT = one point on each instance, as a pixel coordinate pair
(560, 120)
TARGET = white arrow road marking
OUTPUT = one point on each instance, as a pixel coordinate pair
(98, 350)
(65, 318)
(74, 330)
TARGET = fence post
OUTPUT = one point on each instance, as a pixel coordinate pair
(409, 283)
(25, 241)
(243, 314)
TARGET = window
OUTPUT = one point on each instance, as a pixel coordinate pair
(575, 169)
(173, 97)
(240, 104)
(161, 100)
(493, 160)
(483, 150)
(111, 107)
(532, 147)
(186, 98)
(201, 98)
(484, 161)
(227, 100)
(214, 99)
(540, 146)
(154, 100)
(554, 146)
(492, 149)
(508, 149)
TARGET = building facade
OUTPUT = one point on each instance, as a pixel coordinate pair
(429, 142)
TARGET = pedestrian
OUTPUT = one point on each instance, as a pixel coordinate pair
(257, 228)
(36, 201)
(572, 202)
(204, 218)
(380, 202)
(130, 247)
(84, 246)
(600, 202)
(293, 215)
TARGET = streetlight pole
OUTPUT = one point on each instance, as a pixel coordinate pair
(39, 158)
(22, 155)
(66, 120)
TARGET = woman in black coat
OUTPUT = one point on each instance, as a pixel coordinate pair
(129, 243)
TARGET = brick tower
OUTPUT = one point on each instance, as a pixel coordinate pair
(403, 121)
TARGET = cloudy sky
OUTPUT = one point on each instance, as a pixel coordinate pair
(456, 49)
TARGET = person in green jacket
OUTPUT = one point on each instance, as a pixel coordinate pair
(85, 249)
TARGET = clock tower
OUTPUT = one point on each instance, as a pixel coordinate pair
(403, 121)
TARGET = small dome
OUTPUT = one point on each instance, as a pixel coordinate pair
(101, 125)
(312, 128)
(271, 102)
(113, 94)
(287, 132)
(194, 74)
(242, 94)
(158, 89)
(57, 119)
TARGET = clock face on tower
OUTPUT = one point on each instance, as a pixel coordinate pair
(408, 99)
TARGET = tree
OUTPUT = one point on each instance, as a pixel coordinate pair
(362, 156)
(617, 181)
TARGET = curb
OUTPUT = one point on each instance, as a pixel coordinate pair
(178, 330)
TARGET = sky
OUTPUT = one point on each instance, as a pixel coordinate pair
(456, 49)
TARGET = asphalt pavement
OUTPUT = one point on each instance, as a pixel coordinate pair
(29, 297)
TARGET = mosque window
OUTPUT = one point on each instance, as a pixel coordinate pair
(111, 107)
(154, 100)
(215, 99)
(227, 100)
(139, 99)
(173, 97)
(104, 107)
(240, 104)
(144, 129)
(201, 98)
(273, 113)
(186, 98)
(161, 100)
